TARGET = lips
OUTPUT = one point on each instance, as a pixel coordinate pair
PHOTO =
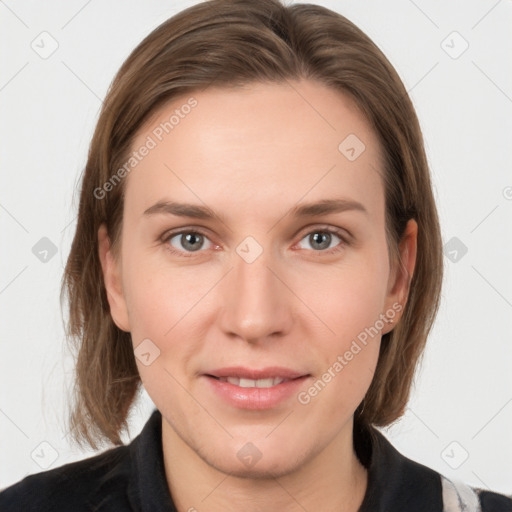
(255, 378)
(249, 388)
(253, 383)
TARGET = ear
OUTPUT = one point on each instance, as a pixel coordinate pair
(401, 275)
(112, 278)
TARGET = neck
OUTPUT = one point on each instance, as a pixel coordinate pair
(332, 480)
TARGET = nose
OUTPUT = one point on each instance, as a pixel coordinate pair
(257, 305)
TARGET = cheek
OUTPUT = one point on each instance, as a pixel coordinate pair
(159, 298)
(351, 296)
(173, 308)
(351, 306)
(350, 301)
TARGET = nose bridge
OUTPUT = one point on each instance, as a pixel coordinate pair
(257, 305)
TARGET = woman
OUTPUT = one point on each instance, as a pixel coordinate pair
(281, 143)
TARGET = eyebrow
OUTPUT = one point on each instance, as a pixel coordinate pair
(322, 207)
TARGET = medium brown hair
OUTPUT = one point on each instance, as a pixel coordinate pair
(227, 43)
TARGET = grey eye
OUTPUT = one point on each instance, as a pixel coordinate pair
(320, 240)
(189, 241)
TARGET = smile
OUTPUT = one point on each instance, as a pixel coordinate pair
(252, 383)
(255, 389)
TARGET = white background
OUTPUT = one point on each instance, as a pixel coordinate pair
(49, 107)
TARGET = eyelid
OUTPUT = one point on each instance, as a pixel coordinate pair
(345, 235)
(166, 237)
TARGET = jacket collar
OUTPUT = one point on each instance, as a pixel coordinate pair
(394, 481)
(148, 489)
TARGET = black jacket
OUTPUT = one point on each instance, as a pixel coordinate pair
(132, 478)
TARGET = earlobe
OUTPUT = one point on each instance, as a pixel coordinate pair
(112, 279)
(403, 271)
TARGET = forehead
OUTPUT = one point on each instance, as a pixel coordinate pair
(261, 143)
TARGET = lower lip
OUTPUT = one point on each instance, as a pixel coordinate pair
(256, 398)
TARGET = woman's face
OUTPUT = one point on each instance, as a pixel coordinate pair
(254, 274)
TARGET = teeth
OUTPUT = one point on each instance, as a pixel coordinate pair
(250, 383)
(246, 383)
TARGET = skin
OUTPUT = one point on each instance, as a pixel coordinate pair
(252, 154)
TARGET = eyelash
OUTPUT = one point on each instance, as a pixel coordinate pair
(322, 229)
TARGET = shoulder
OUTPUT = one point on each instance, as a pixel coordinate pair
(71, 486)
(121, 479)
(458, 496)
(396, 482)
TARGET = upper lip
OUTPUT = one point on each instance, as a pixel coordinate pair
(251, 373)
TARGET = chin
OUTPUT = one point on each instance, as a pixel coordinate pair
(246, 460)
(262, 470)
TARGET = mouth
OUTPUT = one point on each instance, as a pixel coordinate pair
(251, 383)
(247, 388)
(255, 378)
